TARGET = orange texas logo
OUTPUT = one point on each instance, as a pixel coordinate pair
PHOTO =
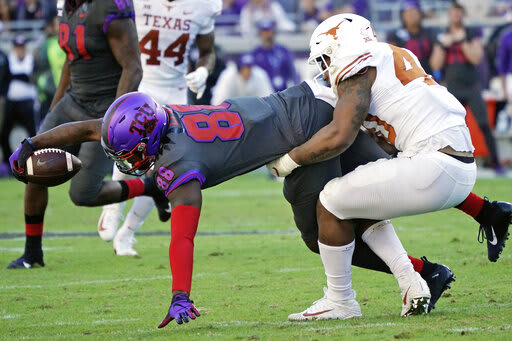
(332, 31)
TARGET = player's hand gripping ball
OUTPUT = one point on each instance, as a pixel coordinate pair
(51, 167)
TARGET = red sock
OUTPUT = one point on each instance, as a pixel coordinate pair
(135, 187)
(34, 229)
(472, 205)
(416, 263)
(184, 220)
(34, 225)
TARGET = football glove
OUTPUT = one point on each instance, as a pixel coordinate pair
(181, 309)
(282, 166)
(19, 158)
(196, 81)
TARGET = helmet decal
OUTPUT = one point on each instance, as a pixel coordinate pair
(144, 122)
(333, 31)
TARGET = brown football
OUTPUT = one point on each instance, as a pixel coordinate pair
(51, 167)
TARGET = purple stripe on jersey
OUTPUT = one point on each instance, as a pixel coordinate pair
(115, 16)
(186, 177)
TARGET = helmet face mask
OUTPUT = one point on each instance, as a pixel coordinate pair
(131, 132)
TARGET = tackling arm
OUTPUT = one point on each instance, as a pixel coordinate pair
(349, 113)
(122, 38)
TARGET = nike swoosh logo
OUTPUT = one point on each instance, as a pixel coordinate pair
(187, 13)
(405, 296)
(42, 163)
(318, 313)
(494, 240)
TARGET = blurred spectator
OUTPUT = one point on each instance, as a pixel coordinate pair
(4, 86)
(505, 67)
(256, 10)
(459, 51)
(32, 10)
(212, 77)
(230, 13)
(21, 94)
(244, 79)
(49, 59)
(8, 9)
(312, 13)
(412, 35)
(275, 59)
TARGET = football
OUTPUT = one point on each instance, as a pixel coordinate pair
(51, 167)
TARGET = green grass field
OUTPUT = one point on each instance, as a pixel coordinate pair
(246, 280)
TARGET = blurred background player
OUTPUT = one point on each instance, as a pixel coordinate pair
(457, 52)
(166, 31)
(244, 79)
(255, 11)
(412, 35)
(275, 59)
(103, 62)
(21, 95)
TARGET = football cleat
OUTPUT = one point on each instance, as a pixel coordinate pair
(496, 228)
(123, 243)
(23, 263)
(109, 221)
(326, 309)
(438, 281)
(416, 298)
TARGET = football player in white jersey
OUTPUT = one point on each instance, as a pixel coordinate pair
(384, 89)
(166, 30)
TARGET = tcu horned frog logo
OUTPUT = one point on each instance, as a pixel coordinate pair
(144, 122)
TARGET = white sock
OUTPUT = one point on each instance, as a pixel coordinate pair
(140, 209)
(382, 239)
(119, 207)
(337, 262)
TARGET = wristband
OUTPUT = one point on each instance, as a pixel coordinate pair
(30, 143)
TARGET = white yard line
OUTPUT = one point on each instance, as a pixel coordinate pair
(141, 279)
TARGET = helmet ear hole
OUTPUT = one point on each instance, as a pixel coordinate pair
(122, 119)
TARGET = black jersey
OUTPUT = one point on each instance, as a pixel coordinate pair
(94, 71)
(215, 143)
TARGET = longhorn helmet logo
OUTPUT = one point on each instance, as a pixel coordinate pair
(332, 31)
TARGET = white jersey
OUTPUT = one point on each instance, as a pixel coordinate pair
(407, 106)
(166, 31)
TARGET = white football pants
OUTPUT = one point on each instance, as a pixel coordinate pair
(389, 188)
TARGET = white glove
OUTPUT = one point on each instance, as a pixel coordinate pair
(282, 166)
(196, 81)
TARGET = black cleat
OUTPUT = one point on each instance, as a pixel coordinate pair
(495, 230)
(23, 263)
(438, 281)
(162, 205)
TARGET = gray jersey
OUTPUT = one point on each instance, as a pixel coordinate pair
(215, 143)
(94, 70)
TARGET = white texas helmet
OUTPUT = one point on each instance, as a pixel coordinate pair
(339, 35)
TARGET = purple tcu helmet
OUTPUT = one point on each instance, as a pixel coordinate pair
(131, 131)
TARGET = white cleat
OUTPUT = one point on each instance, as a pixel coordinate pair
(109, 222)
(416, 297)
(123, 244)
(325, 309)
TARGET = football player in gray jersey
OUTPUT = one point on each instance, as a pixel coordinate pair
(195, 147)
(103, 62)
